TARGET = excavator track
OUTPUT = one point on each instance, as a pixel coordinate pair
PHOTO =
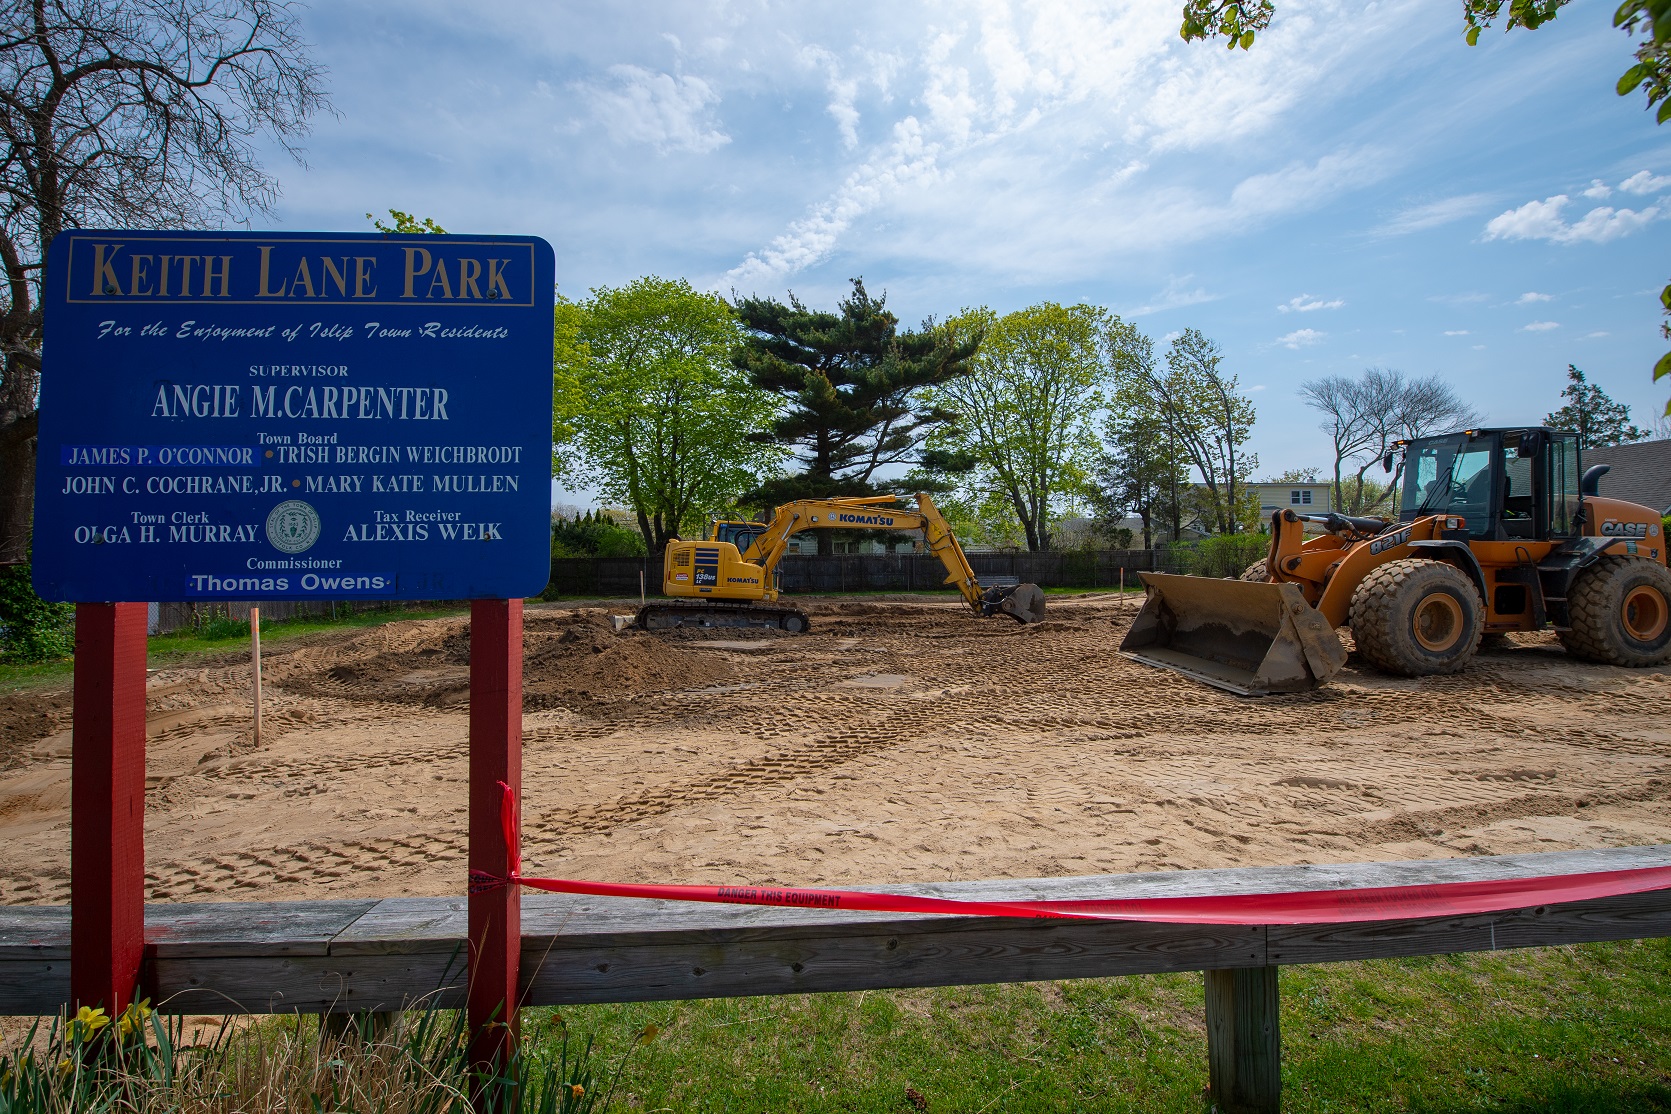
(665, 615)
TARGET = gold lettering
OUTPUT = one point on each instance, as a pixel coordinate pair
(440, 280)
(333, 275)
(303, 279)
(362, 275)
(469, 270)
(140, 262)
(162, 281)
(496, 278)
(262, 290)
(223, 273)
(104, 275)
(185, 274)
(413, 272)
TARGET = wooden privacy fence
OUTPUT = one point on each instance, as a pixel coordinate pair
(868, 572)
(371, 955)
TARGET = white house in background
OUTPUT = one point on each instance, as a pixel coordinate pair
(1301, 498)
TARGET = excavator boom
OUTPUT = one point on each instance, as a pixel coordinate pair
(721, 583)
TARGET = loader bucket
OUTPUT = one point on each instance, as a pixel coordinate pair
(1246, 637)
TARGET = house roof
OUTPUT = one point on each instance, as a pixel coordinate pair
(1641, 472)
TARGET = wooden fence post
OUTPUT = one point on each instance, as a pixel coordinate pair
(495, 916)
(1244, 1041)
(107, 805)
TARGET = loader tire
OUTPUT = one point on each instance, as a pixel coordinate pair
(1416, 618)
(1256, 572)
(1620, 610)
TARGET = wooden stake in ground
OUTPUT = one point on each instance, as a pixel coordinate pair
(641, 590)
(255, 658)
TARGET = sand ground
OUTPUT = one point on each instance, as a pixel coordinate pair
(895, 742)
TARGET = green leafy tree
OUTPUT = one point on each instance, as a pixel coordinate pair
(847, 384)
(1212, 421)
(1141, 468)
(1595, 417)
(1236, 21)
(1025, 411)
(406, 224)
(665, 421)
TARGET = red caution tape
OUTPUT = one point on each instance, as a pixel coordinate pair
(1371, 903)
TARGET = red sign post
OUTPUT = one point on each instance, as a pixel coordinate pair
(107, 805)
(495, 915)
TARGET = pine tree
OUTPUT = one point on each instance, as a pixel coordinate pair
(1596, 418)
(847, 381)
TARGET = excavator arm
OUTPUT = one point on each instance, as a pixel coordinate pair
(1023, 602)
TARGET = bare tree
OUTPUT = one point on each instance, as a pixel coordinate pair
(127, 113)
(1364, 416)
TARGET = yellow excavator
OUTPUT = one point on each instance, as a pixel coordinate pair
(726, 581)
(1496, 532)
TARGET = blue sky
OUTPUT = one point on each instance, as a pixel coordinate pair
(1360, 189)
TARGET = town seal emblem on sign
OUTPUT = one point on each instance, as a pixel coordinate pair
(292, 526)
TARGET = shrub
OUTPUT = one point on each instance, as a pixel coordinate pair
(594, 535)
(1225, 554)
(32, 629)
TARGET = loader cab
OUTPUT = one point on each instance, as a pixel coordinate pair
(1507, 484)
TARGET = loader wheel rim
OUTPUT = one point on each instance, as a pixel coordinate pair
(1644, 613)
(1438, 622)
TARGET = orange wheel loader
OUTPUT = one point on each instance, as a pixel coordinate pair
(1498, 530)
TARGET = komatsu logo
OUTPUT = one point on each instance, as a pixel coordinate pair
(742, 580)
(1615, 529)
(1390, 541)
(865, 519)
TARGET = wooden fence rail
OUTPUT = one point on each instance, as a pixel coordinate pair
(349, 956)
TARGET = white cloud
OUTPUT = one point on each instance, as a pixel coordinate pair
(1305, 303)
(1599, 190)
(1456, 332)
(1542, 220)
(810, 240)
(1471, 298)
(1301, 183)
(1596, 335)
(1176, 294)
(1644, 183)
(1418, 218)
(1531, 296)
(667, 111)
(1257, 387)
(1540, 326)
(1301, 338)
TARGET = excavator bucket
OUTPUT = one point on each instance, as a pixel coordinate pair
(1022, 602)
(1246, 637)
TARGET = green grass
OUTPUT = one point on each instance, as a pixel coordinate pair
(220, 637)
(1586, 1028)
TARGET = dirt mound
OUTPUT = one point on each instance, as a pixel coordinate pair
(26, 717)
(566, 655)
(588, 658)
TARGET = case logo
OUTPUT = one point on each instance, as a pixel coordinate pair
(1613, 528)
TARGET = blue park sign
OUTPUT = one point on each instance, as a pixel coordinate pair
(294, 416)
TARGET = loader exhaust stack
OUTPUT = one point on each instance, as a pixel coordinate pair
(1245, 637)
